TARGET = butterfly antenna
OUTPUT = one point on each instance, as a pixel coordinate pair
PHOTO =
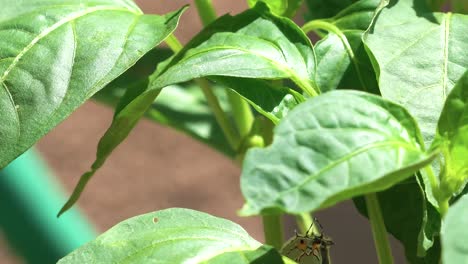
(308, 230)
(318, 223)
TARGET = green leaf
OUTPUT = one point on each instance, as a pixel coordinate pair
(454, 233)
(285, 8)
(171, 236)
(452, 138)
(342, 62)
(254, 44)
(415, 224)
(256, 27)
(331, 148)
(325, 8)
(418, 56)
(54, 55)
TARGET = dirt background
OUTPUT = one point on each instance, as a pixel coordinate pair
(157, 168)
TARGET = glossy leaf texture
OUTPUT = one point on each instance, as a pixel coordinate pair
(331, 148)
(54, 55)
(317, 9)
(287, 8)
(415, 224)
(418, 56)
(452, 138)
(454, 233)
(172, 236)
(342, 62)
(255, 44)
(251, 46)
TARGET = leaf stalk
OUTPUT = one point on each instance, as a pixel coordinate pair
(206, 11)
(379, 232)
(221, 118)
(273, 230)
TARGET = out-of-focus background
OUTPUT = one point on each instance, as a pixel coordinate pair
(157, 168)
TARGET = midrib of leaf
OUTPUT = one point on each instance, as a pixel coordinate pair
(342, 159)
(446, 45)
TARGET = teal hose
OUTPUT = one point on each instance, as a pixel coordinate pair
(29, 201)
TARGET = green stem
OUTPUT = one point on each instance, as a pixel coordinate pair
(305, 86)
(273, 230)
(379, 232)
(173, 43)
(241, 110)
(221, 117)
(315, 25)
(443, 207)
(206, 11)
(304, 221)
(432, 179)
(242, 113)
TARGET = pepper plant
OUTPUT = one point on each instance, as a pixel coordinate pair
(376, 111)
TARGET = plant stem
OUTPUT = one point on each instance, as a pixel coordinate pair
(221, 117)
(240, 109)
(304, 221)
(315, 25)
(173, 43)
(379, 232)
(443, 207)
(273, 230)
(241, 112)
(206, 11)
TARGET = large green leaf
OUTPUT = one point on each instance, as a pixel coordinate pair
(171, 236)
(418, 56)
(454, 233)
(54, 55)
(452, 138)
(253, 44)
(331, 148)
(342, 61)
(286, 8)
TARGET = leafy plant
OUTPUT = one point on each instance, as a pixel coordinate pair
(312, 124)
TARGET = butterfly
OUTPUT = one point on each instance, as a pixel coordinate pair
(308, 248)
